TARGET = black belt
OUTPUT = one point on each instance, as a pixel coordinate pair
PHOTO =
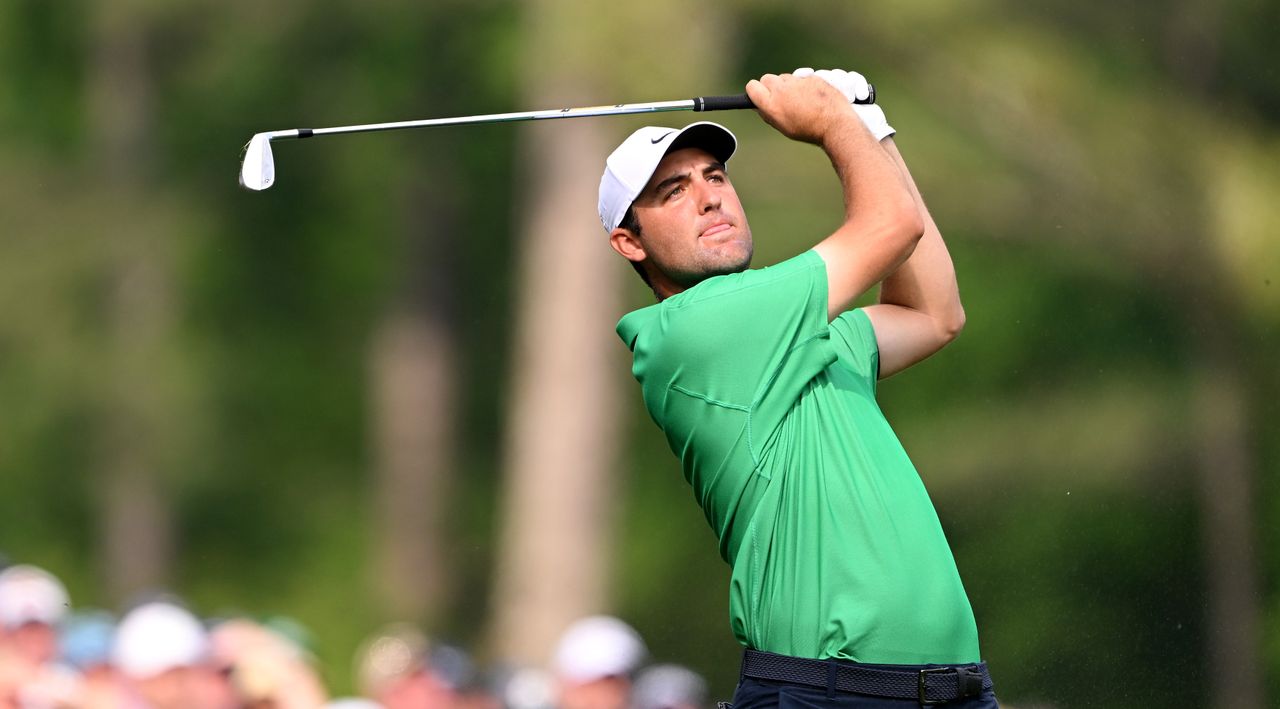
(928, 685)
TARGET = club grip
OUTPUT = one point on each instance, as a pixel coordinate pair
(722, 103)
(737, 101)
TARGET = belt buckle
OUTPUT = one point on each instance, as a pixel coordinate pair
(932, 671)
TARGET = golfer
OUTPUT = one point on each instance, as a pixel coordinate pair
(844, 590)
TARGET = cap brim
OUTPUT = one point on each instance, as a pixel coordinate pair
(711, 137)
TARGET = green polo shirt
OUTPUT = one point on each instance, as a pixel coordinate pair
(835, 547)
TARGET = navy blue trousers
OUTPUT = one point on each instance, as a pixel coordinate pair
(764, 694)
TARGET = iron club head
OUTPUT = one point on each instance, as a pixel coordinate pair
(258, 169)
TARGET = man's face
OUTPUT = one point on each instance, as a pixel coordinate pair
(692, 225)
(35, 642)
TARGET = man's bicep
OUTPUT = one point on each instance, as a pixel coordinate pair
(903, 336)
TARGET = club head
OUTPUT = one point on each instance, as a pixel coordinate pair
(258, 168)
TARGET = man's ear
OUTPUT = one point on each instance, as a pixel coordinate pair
(626, 243)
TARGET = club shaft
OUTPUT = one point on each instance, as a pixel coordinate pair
(585, 112)
(703, 103)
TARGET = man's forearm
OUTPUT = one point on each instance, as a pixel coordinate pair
(882, 224)
(926, 281)
(870, 177)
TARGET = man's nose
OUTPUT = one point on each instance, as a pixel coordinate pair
(709, 198)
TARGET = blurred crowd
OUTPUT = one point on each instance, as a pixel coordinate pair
(160, 655)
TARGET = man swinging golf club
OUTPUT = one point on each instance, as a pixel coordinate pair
(844, 590)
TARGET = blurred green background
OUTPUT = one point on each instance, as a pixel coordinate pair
(200, 386)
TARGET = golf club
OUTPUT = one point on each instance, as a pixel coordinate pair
(258, 170)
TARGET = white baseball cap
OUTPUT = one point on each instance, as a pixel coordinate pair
(156, 637)
(630, 166)
(597, 647)
(29, 594)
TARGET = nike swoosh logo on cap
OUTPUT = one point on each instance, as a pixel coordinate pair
(661, 138)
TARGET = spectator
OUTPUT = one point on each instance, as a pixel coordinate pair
(85, 641)
(164, 653)
(394, 668)
(594, 661)
(267, 670)
(32, 604)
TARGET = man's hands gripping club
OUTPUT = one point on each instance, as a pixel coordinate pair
(919, 308)
(881, 224)
(854, 87)
(800, 107)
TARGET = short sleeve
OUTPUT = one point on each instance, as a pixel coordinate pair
(854, 340)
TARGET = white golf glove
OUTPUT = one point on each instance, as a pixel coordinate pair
(854, 86)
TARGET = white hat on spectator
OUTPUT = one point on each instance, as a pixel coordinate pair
(29, 594)
(597, 647)
(156, 637)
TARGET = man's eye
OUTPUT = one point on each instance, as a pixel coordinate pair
(675, 191)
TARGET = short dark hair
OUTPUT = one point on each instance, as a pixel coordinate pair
(631, 223)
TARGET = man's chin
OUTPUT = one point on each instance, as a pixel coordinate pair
(723, 267)
(735, 268)
(741, 262)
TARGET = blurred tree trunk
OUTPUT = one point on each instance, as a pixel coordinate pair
(562, 424)
(1227, 467)
(137, 530)
(413, 371)
(1227, 464)
(563, 427)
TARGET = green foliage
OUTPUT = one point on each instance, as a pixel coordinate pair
(1089, 585)
(43, 54)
